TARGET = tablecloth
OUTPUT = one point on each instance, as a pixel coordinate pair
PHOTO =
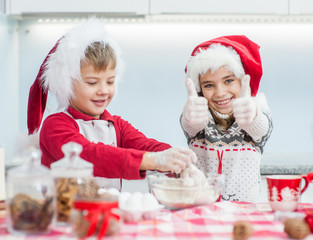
(203, 222)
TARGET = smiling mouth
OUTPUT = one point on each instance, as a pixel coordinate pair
(99, 103)
(223, 102)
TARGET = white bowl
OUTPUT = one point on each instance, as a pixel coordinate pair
(172, 193)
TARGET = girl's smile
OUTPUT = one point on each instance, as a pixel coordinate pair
(223, 103)
(220, 89)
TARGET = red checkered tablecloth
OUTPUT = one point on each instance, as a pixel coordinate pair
(204, 222)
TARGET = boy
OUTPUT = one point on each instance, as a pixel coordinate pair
(82, 70)
(224, 121)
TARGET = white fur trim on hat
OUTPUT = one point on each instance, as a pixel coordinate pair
(63, 66)
(212, 59)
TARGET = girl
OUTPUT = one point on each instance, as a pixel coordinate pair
(82, 70)
(224, 121)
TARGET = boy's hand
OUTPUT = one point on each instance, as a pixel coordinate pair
(196, 110)
(244, 108)
(174, 159)
(193, 176)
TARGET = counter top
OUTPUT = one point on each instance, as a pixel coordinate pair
(286, 169)
(286, 163)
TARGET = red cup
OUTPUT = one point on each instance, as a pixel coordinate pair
(284, 191)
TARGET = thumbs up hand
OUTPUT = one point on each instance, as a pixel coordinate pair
(196, 110)
(244, 108)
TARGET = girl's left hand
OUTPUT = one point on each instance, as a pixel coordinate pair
(244, 108)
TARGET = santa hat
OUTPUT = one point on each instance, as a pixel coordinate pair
(237, 53)
(62, 67)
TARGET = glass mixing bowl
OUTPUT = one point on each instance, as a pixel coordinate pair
(172, 193)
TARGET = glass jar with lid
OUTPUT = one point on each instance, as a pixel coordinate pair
(69, 174)
(30, 201)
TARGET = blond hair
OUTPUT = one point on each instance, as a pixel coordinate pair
(100, 56)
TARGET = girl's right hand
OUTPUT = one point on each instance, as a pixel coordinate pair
(245, 108)
(171, 160)
(196, 110)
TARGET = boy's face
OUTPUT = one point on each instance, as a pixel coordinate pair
(220, 89)
(94, 93)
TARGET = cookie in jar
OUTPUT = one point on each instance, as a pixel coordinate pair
(30, 201)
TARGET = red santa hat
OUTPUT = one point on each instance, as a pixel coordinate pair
(62, 67)
(236, 53)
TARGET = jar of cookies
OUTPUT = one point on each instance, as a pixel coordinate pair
(30, 201)
(70, 174)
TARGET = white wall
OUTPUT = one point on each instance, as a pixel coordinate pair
(152, 93)
(9, 82)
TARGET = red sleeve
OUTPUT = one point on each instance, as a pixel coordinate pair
(109, 161)
(130, 137)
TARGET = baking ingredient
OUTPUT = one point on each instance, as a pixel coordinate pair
(137, 206)
(138, 201)
(149, 202)
(133, 203)
(242, 230)
(193, 176)
(297, 228)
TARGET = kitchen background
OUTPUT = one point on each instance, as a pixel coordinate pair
(157, 37)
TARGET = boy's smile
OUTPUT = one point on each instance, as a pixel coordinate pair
(95, 91)
(220, 89)
(99, 103)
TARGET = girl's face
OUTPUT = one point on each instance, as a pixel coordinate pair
(220, 89)
(94, 93)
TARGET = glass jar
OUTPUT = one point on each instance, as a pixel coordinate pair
(96, 215)
(30, 201)
(70, 174)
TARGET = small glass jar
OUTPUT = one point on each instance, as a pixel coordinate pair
(69, 174)
(30, 201)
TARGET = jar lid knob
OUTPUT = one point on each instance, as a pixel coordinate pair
(72, 150)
